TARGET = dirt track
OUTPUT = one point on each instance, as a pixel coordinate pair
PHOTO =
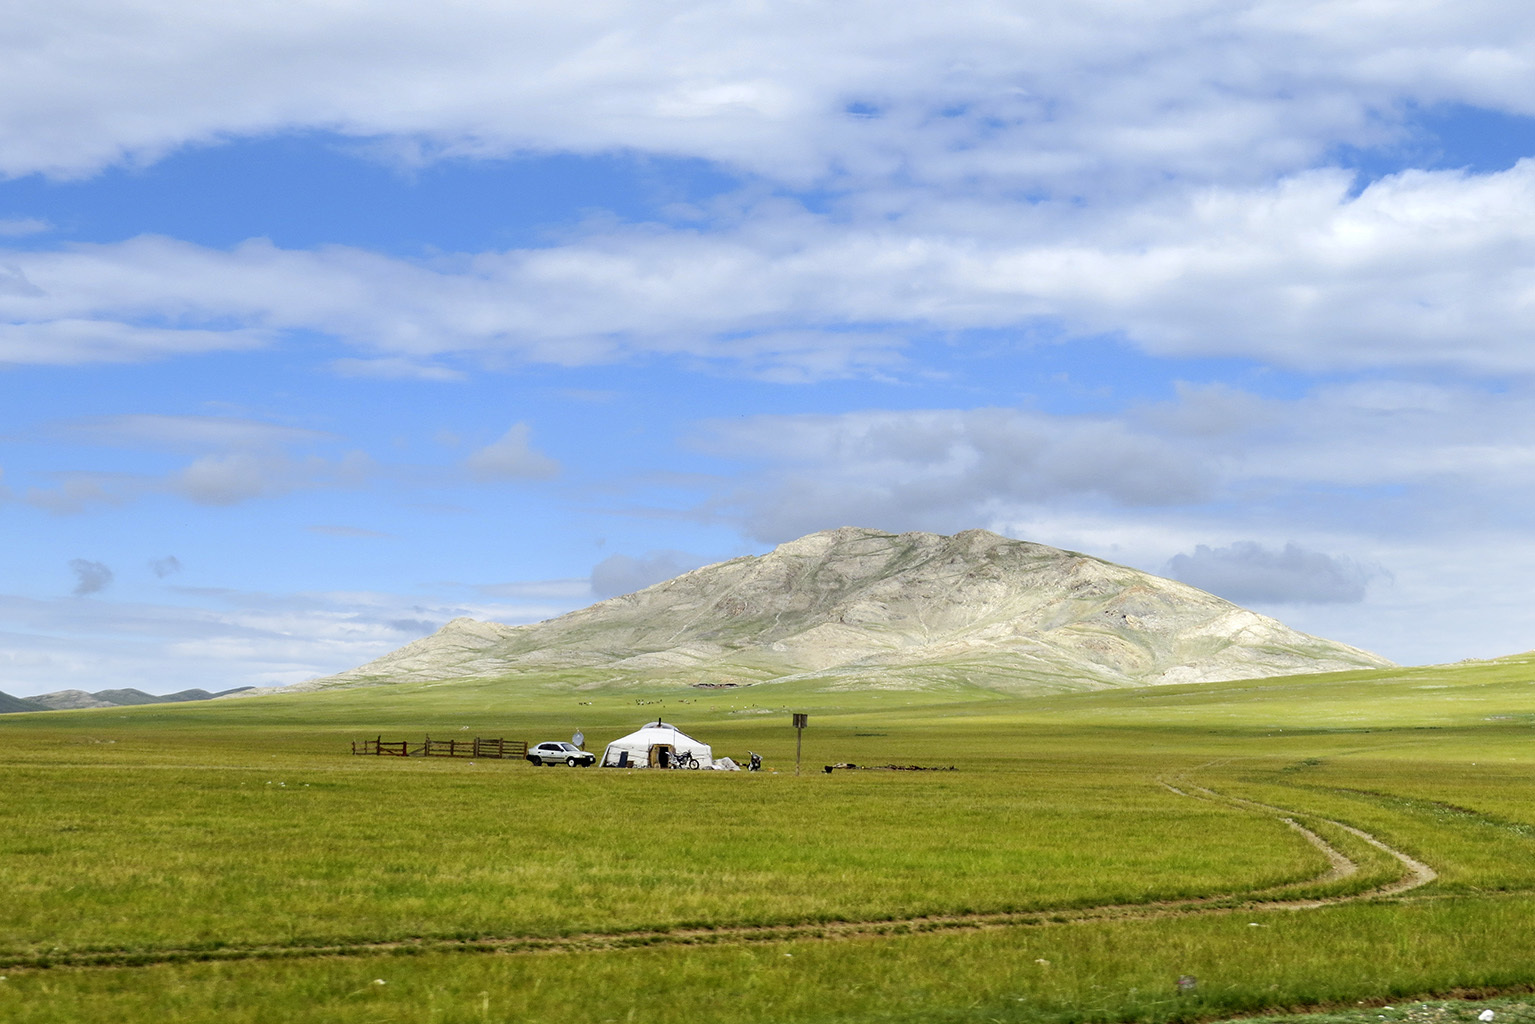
(1415, 874)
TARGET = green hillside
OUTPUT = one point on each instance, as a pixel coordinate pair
(10, 704)
(232, 860)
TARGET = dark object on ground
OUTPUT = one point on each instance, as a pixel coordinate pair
(756, 762)
(682, 759)
(887, 768)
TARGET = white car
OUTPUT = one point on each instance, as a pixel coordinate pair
(555, 753)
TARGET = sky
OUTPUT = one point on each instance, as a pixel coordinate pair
(323, 323)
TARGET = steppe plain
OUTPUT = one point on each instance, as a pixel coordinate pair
(231, 861)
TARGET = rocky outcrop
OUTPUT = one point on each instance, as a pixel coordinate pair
(857, 607)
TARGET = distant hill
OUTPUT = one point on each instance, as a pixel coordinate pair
(66, 700)
(9, 704)
(860, 608)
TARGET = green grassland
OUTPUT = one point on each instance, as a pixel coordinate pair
(232, 861)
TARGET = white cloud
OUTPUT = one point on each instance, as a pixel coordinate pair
(1420, 269)
(72, 493)
(17, 227)
(223, 479)
(180, 433)
(1417, 270)
(1051, 91)
(235, 477)
(1433, 595)
(567, 592)
(1250, 573)
(624, 574)
(217, 639)
(1037, 171)
(350, 532)
(72, 342)
(14, 282)
(394, 368)
(1426, 455)
(942, 470)
(511, 457)
(1389, 514)
(236, 459)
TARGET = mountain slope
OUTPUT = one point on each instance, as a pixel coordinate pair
(9, 704)
(71, 700)
(859, 607)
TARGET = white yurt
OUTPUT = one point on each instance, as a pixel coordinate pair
(656, 745)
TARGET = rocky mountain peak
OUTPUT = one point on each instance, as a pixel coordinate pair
(855, 606)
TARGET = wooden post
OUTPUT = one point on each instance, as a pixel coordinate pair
(799, 737)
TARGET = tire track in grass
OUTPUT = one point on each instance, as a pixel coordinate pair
(1415, 875)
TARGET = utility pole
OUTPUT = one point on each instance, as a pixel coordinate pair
(799, 737)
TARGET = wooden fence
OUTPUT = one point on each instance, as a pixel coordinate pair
(493, 749)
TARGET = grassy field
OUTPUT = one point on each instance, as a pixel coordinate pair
(232, 861)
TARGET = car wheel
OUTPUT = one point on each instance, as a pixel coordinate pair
(572, 761)
(537, 761)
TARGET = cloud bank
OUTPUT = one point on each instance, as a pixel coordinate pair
(1249, 573)
(1072, 95)
(1418, 270)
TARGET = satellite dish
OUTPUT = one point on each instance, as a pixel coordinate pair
(579, 738)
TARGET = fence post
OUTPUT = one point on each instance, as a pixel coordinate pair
(799, 736)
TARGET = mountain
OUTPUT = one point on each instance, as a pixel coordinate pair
(9, 704)
(860, 608)
(67, 700)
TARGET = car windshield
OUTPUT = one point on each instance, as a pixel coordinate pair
(567, 746)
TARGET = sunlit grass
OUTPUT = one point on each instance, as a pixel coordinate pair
(1106, 971)
(371, 849)
(246, 824)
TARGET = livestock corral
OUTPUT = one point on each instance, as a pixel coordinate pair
(478, 747)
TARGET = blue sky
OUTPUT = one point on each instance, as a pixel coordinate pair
(322, 325)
